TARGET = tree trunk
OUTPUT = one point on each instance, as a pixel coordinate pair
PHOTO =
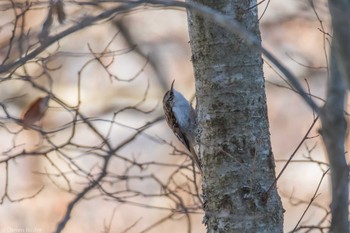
(334, 125)
(334, 134)
(234, 137)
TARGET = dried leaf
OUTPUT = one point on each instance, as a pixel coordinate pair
(35, 111)
(58, 9)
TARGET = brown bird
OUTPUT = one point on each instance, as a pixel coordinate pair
(35, 111)
(182, 119)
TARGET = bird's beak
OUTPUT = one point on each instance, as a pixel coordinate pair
(172, 84)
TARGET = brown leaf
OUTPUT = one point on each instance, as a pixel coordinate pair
(58, 9)
(35, 111)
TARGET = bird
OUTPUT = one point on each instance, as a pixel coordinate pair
(182, 120)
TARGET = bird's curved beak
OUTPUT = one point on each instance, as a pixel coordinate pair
(172, 84)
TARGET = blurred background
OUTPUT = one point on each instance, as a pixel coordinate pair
(107, 82)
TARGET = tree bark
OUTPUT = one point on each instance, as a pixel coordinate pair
(340, 13)
(233, 131)
(334, 134)
(332, 115)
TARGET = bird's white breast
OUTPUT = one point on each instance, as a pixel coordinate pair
(182, 109)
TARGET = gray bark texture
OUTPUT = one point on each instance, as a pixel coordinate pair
(340, 13)
(334, 125)
(333, 132)
(233, 134)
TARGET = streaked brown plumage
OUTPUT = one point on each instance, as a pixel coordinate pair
(181, 118)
